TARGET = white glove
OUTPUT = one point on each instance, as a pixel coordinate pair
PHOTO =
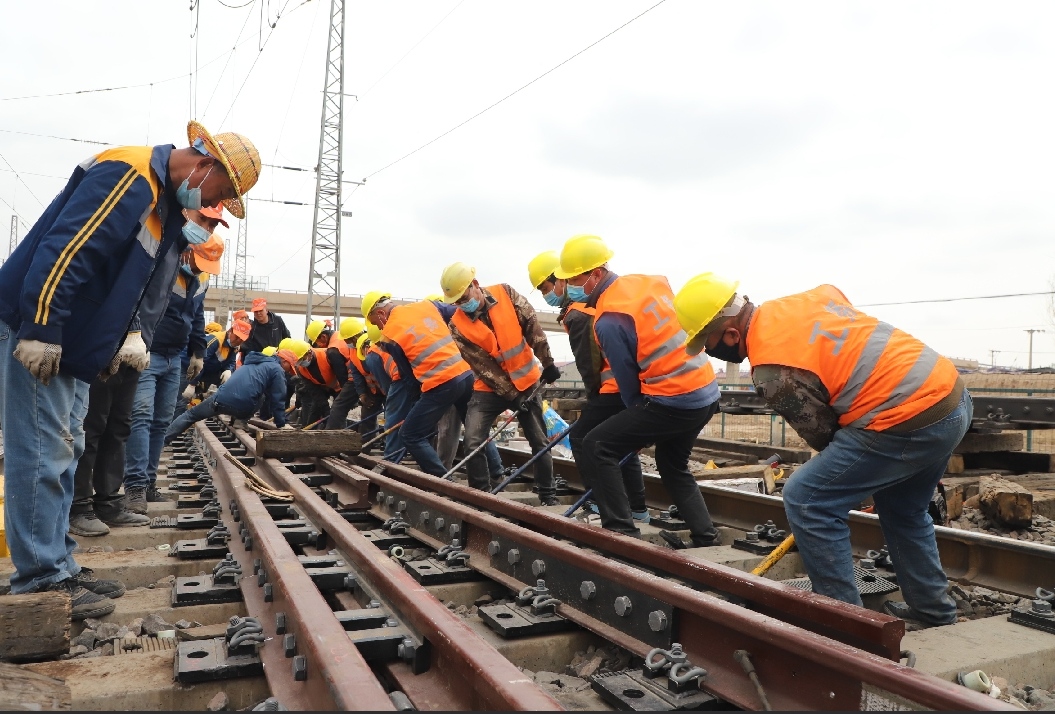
(195, 367)
(224, 376)
(286, 426)
(133, 352)
(188, 393)
(40, 358)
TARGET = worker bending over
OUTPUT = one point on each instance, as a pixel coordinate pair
(602, 392)
(325, 370)
(884, 410)
(221, 351)
(358, 389)
(669, 396)
(399, 394)
(499, 336)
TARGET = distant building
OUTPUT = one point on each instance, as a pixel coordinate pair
(964, 365)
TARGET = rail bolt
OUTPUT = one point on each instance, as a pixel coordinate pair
(401, 506)
(406, 650)
(657, 621)
(280, 623)
(1042, 608)
(289, 644)
(261, 577)
(300, 668)
(373, 605)
(390, 501)
(867, 564)
(588, 590)
(248, 542)
(494, 548)
(380, 497)
(440, 523)
(538, 568)
(623, 606)
(391, 622)
(454, 530)
(751, 537)
(350, 583)
(258, 564)
(269, 592)
(514, 556)
(423, 518)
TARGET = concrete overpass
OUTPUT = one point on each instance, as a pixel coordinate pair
(293, 302)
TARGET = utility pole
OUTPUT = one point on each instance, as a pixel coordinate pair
(14, 236)
(992, 357)
(324, 276)
(1031, 345)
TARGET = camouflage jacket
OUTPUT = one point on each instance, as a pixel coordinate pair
(801, 398)
(486, 367)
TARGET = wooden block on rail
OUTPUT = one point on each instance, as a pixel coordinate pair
(1005, 502)
(1001, 441)
(282, 443)
(23, 690)
(34, 626)
(955, 465)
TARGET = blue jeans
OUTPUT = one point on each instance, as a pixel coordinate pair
(205, 409)
(900, 472)
(424, 416)
(43, 440)
(398, 402)
(151, 415)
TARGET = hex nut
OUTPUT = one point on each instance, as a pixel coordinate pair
(440, 523)
(390, 501)
(289, 644)
(401, 506)
(657, 621)
(380, 497)
(269, 592)
(423, 518)
(300, 668)
(454, 530)
(623, 606)
(280, 623)
(513, 556)
(350, 583)
(588, 590)
(538, 568)
(261, 577)
(258, 564)
(494, 548)
(248, 542)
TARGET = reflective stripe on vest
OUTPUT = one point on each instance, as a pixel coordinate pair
(420, 330)
(876, 375)
(608, 383)
(666, 368)
(505, 342)
(329, 379)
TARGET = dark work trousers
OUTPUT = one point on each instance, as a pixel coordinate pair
(424, 417)
(599, 408)
(674, 432)
(101, 469)
(348, 400)
(314, 402)
(484, 408)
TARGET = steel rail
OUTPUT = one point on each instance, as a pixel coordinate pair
(338, 676)
(864, 629)
(977, 558)
(469, 662)
(800, 669)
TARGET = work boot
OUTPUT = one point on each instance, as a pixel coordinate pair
(549, 500)
(120, 518)
(86, 523)
(914, 619)
(84, 603)
(107, 588)
(642, 516)
(154, 495)
(708, 541)
(136, 499)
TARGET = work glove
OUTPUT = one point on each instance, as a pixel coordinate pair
(286, 426)
(40, 358)
(188, 393)
(550, 374)
(133, 352)
(195, 366)
(224, 376)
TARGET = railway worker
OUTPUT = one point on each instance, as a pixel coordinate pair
(318, 333)
(499, 336)
(68, 295)
(181, 328)
(602, 392)
(221, 351)
(323, 370)
(398, 394)
(359, 389)
(418, 339)
(268, 328)
(261, 378)
(884, 410)
(669, 396)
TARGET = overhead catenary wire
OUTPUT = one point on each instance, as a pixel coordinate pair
(515, 91)
(956, 299)
(19, 177)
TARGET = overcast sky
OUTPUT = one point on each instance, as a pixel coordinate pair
(901, 151)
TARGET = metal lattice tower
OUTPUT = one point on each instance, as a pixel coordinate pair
(324, 276)
(223, 313)
(240, 279)
(14, 236)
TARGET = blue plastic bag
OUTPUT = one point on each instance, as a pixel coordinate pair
(554, 426)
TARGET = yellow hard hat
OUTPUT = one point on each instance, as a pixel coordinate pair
(434, 297)
(373, 332)
(286, 344)
(360, 346)
(455, 281)
(372, 298)
(697, 304)
(581, 254)
(350, 327)
(314, 329)
(214, 328)
(269, 351)
(542, 266)
(299, 348)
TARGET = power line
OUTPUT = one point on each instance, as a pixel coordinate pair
(19, 177)
(957, 299)
(60, 138)
(229, 56)
(516, 91)
(236, 7)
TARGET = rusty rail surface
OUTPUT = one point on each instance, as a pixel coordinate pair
(800, 669)
(977, 558)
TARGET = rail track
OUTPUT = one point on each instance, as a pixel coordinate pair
(809, 652)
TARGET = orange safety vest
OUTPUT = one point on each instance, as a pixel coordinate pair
(506, 344)
(329, 379)
(389, 364)
(666, 369)
(420, 330)
(876, 375)
(357, 364)
(608, 384)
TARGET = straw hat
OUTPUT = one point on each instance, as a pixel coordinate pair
(238, 156)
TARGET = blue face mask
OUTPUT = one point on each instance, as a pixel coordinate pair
(575, 293)
(195, 234)
(552, 299)
(187, 270)
(191, 197)
(470, 306)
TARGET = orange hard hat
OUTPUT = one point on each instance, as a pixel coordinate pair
(259, 304)
(207, 255)
(214, 212)
(242, 329)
